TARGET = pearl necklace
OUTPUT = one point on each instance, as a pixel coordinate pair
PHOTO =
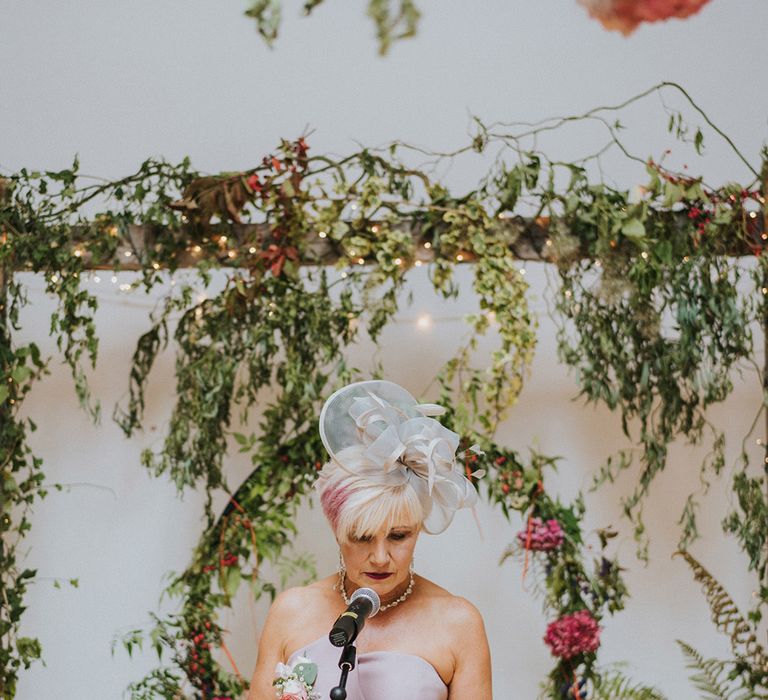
(408, 591)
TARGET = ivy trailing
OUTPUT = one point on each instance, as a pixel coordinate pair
(393, 19)
(652, 315)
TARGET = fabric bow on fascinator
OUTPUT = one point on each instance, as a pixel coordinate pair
(401, 443)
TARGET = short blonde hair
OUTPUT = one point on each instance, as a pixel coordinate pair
(357, 504)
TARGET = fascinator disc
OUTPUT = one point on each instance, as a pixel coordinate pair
(402, 442)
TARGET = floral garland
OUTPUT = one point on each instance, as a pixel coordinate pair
(399, 20)
(271, 326)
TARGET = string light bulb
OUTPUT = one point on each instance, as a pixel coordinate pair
(424, 322)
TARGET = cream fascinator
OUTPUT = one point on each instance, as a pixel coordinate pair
(401, 443)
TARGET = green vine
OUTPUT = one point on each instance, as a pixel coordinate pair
(652, 314)
(393, 19)
(568, 582)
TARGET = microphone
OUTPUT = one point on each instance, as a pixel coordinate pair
(363, 604)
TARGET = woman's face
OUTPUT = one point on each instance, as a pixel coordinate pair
(381, 561)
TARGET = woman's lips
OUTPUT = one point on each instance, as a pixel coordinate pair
(377, 577)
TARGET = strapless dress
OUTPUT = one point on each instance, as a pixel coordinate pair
(378, 675)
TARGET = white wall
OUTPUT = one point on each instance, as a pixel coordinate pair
(116, 82)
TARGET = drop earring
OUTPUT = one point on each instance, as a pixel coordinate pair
(342, 575)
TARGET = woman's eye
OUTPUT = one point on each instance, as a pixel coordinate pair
(398, 535)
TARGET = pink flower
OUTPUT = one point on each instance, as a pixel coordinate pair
(625, 15)
(293, 690)
(301, 695)
(573, 634)
(543, 536)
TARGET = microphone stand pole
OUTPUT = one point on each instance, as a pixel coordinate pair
(346, 664)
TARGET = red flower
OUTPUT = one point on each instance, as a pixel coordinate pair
(625, 15)
(573, 634)
(275, 257)
(254, 183)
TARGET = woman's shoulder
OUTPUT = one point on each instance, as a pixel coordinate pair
(453, 610)
(299, 615)
(296, 599)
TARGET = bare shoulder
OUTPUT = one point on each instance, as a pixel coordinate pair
(294, 600)
(461, 612)
(458, 616)
(297, 614)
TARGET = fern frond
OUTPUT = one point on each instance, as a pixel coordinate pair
(614, 685)
(715, 678)
(727, 617)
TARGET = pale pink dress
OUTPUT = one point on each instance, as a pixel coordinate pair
(378, 675)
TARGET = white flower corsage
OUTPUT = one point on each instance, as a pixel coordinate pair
(296, 683)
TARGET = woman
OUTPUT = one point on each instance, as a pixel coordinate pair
(392, 474)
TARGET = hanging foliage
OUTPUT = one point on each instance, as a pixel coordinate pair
(393, 19)
(649, 315)
(746, 674)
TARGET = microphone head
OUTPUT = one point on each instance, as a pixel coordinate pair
(370, 595)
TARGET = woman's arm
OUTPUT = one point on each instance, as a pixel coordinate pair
(472, 657)
(272, 645)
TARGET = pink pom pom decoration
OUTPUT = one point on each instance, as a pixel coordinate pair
(543, 536)
(625, 15)
(573, 634)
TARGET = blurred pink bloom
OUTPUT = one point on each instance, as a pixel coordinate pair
(543, 536)
(625, 15)
(573, 634)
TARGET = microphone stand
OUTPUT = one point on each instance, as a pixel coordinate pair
(346, 664)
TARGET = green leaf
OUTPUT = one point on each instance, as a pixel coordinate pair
(633, 229)
(20, 374)
(232, 580)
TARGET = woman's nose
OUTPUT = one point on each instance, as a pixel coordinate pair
(379, 554)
